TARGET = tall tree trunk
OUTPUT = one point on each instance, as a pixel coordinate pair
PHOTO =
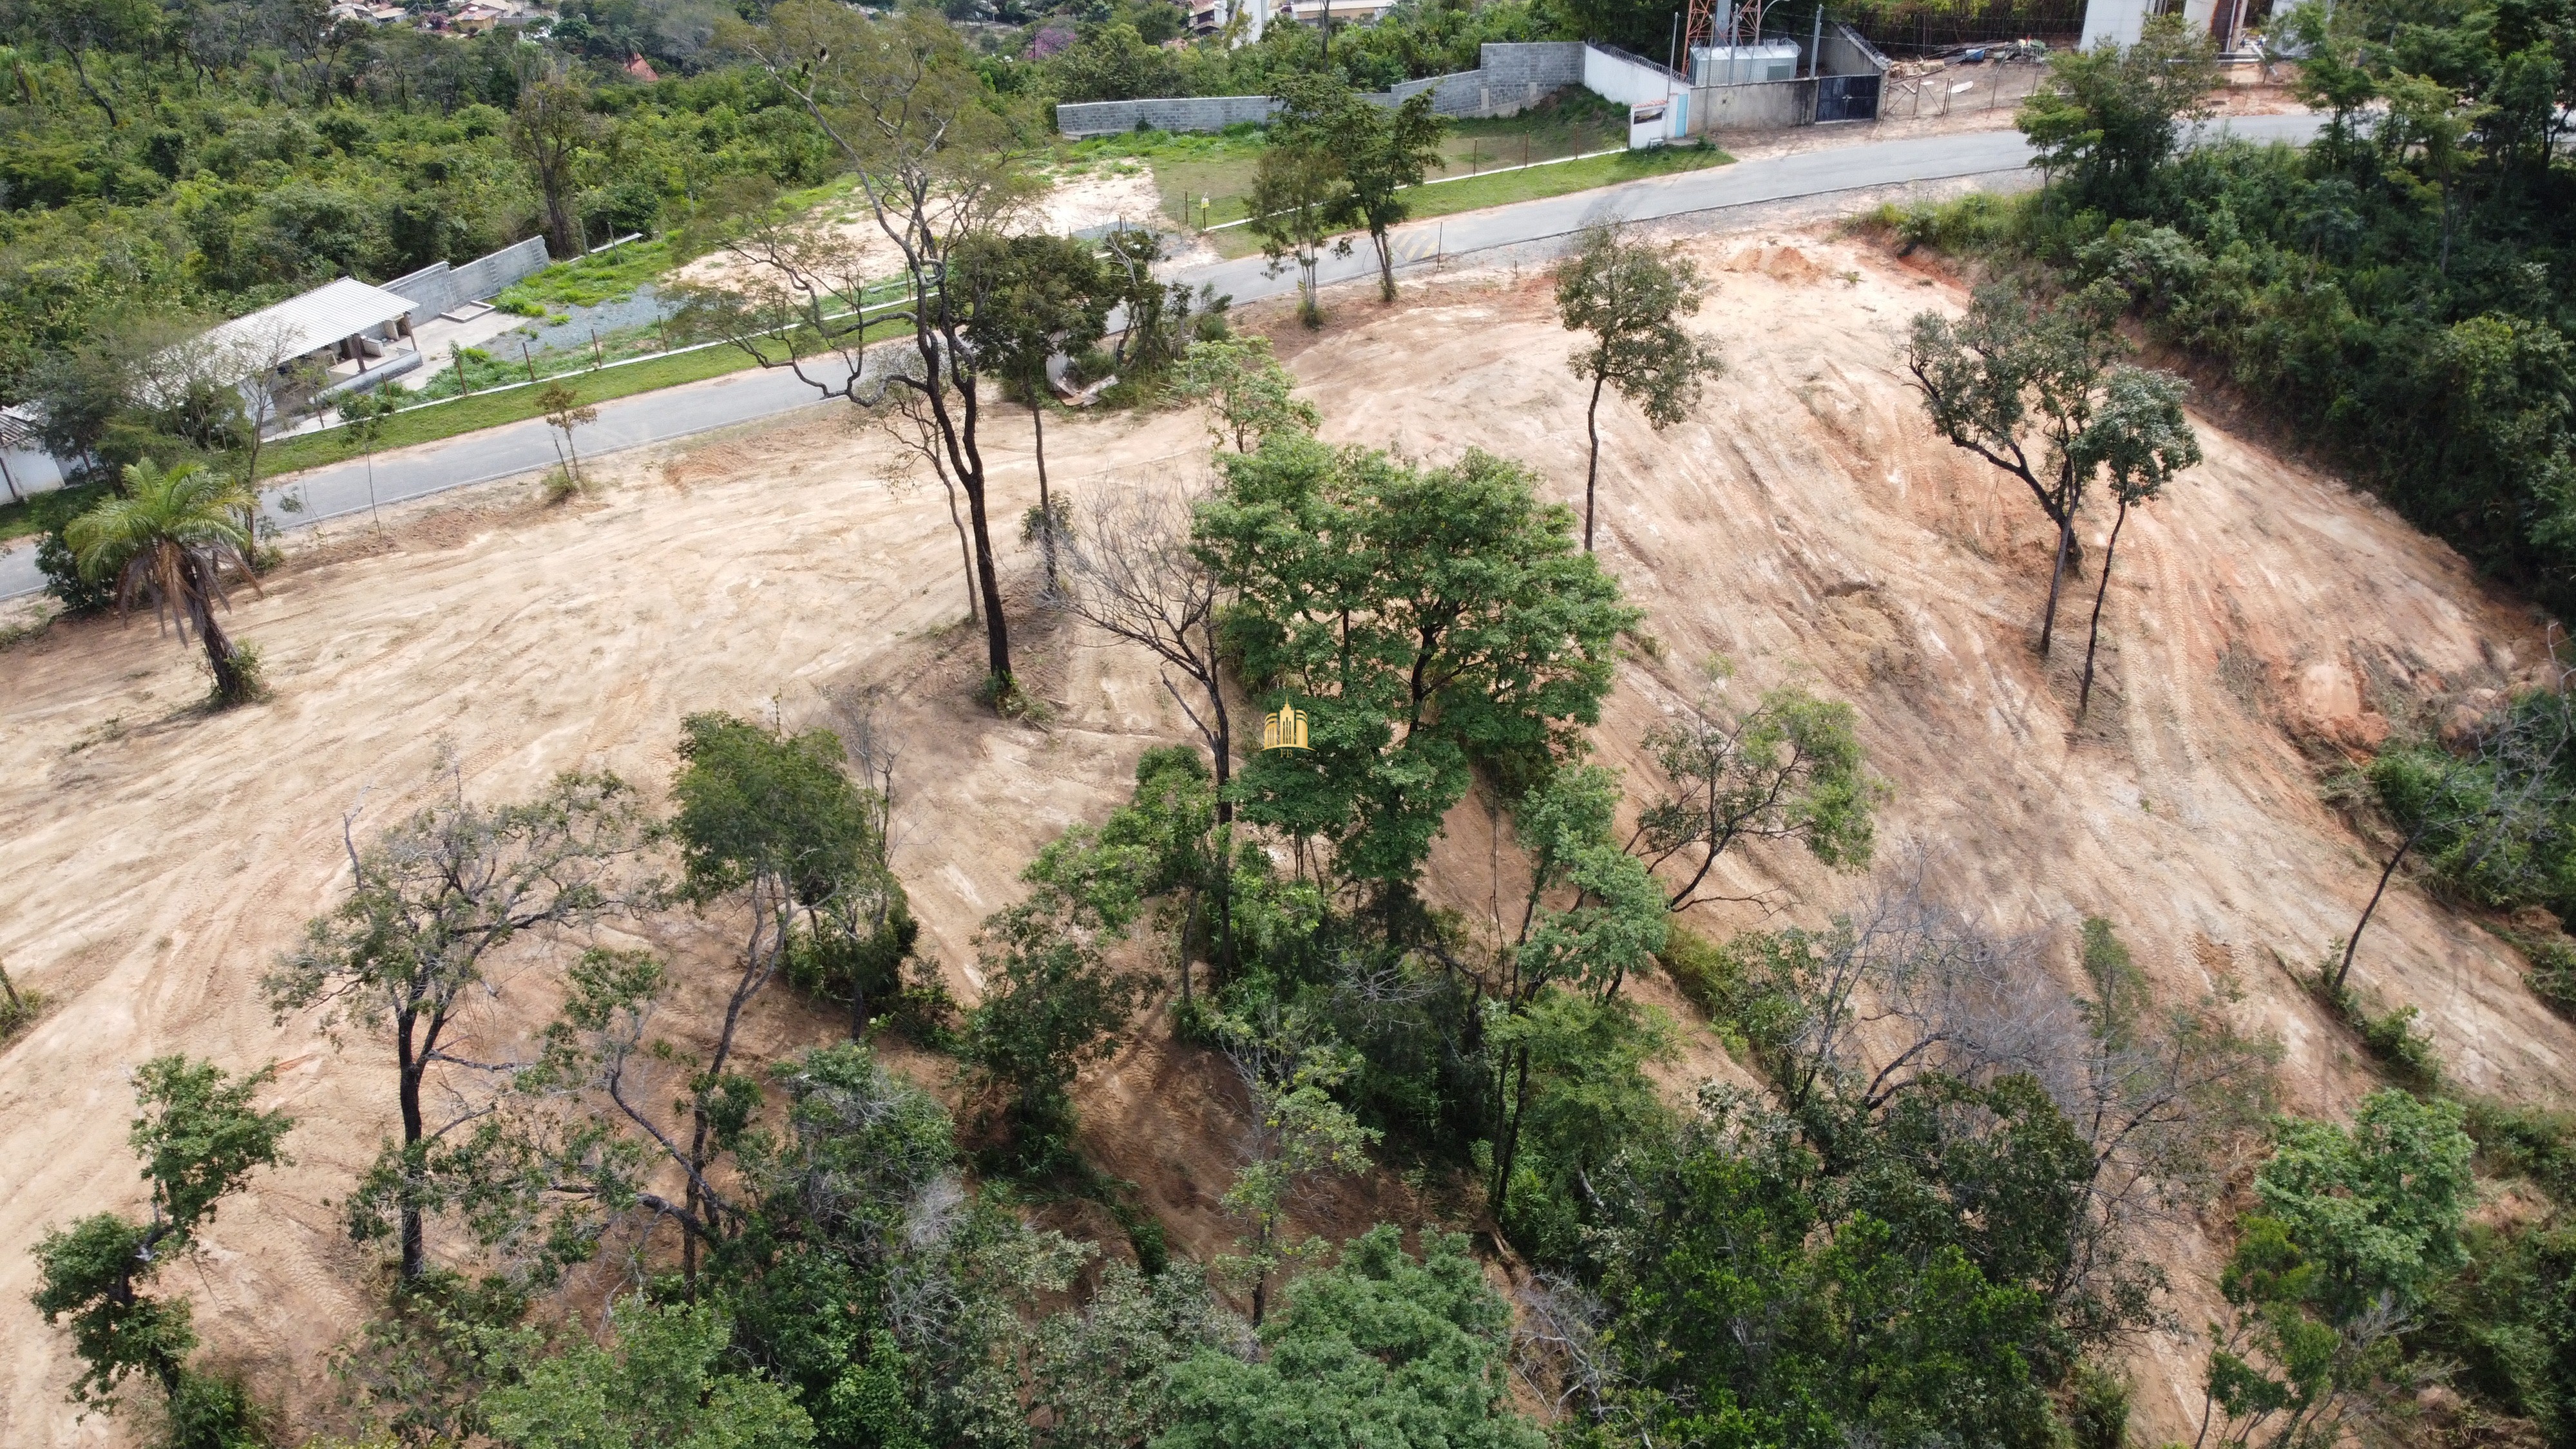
(409, 1067)
(2354, 944)
(1046, 504)
(81, 70)
(1385, 264)
(2056, 579)
(997, 639)
(965, 550)
(1592, 473)
(1508, 1137)
(221, 657)
(2084, 698)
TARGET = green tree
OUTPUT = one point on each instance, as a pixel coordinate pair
(78, 27)
(1759, 1293)
(431, 900)
(663, 1385)
(2106, 118)
(2433, 121)
(773, 822)
(1379, 1349)
(1290, 1071)
(2014, 378)
(166, 538)
(1433, 617)
(1631, 296)
(1115, 63)
(1613, 926)
(1247, 394)
(199, 1137)
(1791, 768)
(1381, 150)
(2497, 819)
(1033, 297)
(2357, 1227)
(1299, 198)
(939, 161)
(2139, 440)
(1052, 1003)
(554, 134)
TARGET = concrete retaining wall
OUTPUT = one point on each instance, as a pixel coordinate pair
(1511, 78)
(1756, 106)
(1846, 53)
(1168, 113)
(1507, 80)
(439, 287)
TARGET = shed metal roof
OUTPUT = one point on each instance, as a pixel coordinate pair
(326, 315)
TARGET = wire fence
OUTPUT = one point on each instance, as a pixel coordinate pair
(1958, 88)
(1924, 29)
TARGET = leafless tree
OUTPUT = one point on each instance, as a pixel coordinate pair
(1130, 572)
(1907, 989)
(2487, 807)
(909, 422)
(937, 164)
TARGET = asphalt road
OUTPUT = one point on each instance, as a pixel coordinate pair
(1534, 229)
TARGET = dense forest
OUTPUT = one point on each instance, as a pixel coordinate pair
(2399, 293)
(1931, 1214)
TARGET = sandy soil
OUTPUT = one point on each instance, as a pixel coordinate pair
(1805, 527)
(1071, 204)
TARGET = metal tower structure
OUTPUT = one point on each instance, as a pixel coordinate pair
(1721, 22)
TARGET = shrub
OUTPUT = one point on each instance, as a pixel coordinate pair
(63, 577)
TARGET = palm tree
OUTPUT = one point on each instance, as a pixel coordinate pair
(166, 539)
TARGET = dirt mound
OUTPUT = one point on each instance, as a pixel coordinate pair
(1803, 527)
(1785, 264)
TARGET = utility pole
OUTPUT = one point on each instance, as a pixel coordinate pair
(1816, 47)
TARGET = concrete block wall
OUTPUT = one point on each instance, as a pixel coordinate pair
(1846, 53)
(440, 288)
(1169, 113)
(1507, 80)
(1754, 106)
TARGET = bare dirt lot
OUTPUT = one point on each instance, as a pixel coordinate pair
(1805, 526)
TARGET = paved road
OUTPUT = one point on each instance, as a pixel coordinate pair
(1529, 228)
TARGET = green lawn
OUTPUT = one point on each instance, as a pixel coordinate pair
(43, 511)
(588, 281)
(1216, 167)
(490, 410)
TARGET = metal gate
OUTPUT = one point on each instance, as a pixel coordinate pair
(1846, 98)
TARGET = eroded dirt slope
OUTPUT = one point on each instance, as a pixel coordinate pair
(1806, 528)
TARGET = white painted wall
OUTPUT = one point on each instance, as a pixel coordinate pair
(1616, 79)
(30, 472)
(2121, 22)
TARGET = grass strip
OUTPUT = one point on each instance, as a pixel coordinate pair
(491, 410)
(1502, 188)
